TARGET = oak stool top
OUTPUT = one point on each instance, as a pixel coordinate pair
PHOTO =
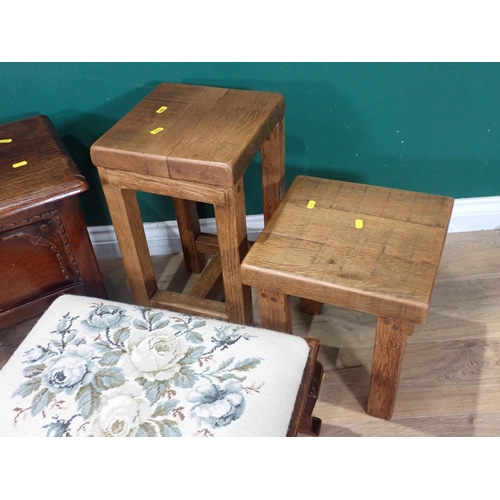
(367, 248)
(207, 135)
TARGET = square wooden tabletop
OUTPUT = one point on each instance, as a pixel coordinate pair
(363, 247)
(191, 133)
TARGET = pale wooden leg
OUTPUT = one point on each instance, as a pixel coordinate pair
(310, 306)
(273, 170)
(275, 311)
(189, 229)
(208, 283)
(233, 246)
(390, 341)
(127, 221)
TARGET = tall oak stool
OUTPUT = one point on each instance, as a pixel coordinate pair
(45, 249)
(193, 143)
(93, 367)
(366, 248)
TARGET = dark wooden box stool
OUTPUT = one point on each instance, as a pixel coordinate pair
(366, 248)
(193, 143)
(45, 249)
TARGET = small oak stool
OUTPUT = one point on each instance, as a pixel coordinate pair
(193, 143)
(366, 248)
(45, 249)
(98, 368)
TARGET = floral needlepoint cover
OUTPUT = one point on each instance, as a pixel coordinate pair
(92, 367)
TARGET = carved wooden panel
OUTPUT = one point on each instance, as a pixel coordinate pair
(36, 258)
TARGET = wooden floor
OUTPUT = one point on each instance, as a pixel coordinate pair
(450, 381)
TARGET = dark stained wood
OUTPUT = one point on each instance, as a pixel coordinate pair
(302, 420)
(80, 246)
(309, 424)
(49, 173)
(36, 260)
(37, 306)
(45, 249)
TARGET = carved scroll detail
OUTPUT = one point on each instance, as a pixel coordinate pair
(46, 229)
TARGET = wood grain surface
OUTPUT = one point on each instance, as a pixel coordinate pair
(193, 143)
(45, 249)
(450, 378)
(387, 267)
(201, 127)
(47, 172)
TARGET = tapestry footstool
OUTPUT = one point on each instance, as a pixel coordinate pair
(93, 367)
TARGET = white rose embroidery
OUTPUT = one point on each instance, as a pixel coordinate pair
(68, 370)
(217, 405)
(122, 411)
(156, 355)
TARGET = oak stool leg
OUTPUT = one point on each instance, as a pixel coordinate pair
(390, 341)
(233, 246)
(311, 306)
(275, 310)
(189, 229)
(273, 170)
(127, 221)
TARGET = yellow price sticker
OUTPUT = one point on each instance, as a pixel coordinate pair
(156, 130)
(162, 109)
(19, 164)
(311, 204)
(359, 224)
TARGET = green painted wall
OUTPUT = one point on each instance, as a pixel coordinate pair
(430, 127)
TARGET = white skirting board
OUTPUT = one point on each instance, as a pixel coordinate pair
(469, 214)
(162, 237)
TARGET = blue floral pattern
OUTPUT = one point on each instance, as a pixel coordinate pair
(136, 371)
